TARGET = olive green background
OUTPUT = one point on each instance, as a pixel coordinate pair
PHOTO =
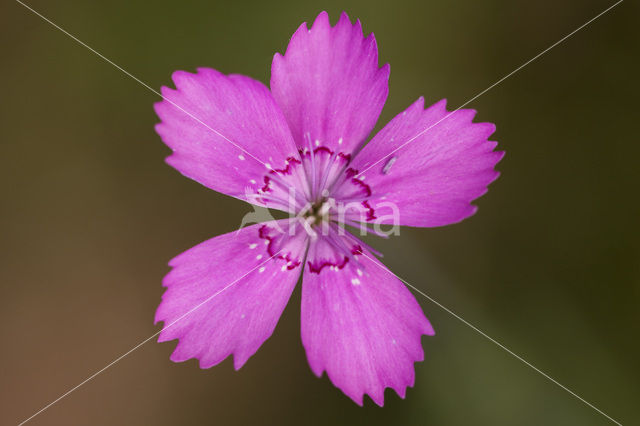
(90, 215)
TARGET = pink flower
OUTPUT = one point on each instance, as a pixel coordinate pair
(299, 147)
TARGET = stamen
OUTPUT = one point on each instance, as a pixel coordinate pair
(263, 198)
(298, 198)
(327, 170)
(313, 167)
(340, 245)
(324, 209)
(366, 227)
(307, 227)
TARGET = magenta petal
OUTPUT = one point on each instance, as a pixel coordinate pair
(225, 131)
(328, 84)
(224, 296)
(360, 324)
(432, 179)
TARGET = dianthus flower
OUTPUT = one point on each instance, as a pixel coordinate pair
(300, 147)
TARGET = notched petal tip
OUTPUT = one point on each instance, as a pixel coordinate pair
(378, 396)
(165, 92)
(474, 208)
(491, 127)
(440, 106)
(277, 57)
(299, 33)
(385, 72)
(206, 70)
(418, 104)
(173, 160)
(156, 320)
(157, 106)
(158, 126)
(465, 114)
(239, 361)
(179, 77)
(321, 20)
(358, 27)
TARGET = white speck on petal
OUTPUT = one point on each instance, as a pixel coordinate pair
(355, 281)
(261, 270)
(242, 316)
(359, 271)
(387, 166)
(317, 142)
(253, 181)
(284, 268)
(241, 157)
(253, 245)
(268, 166)
(259, 257)
(340, 141)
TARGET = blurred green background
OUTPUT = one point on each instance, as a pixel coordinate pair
(90, 215)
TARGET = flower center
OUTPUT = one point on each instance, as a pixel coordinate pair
(316, 216)
(316, 213)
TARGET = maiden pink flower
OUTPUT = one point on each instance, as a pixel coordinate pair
(299, 147)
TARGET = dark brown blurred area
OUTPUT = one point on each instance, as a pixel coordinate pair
(90, 215)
